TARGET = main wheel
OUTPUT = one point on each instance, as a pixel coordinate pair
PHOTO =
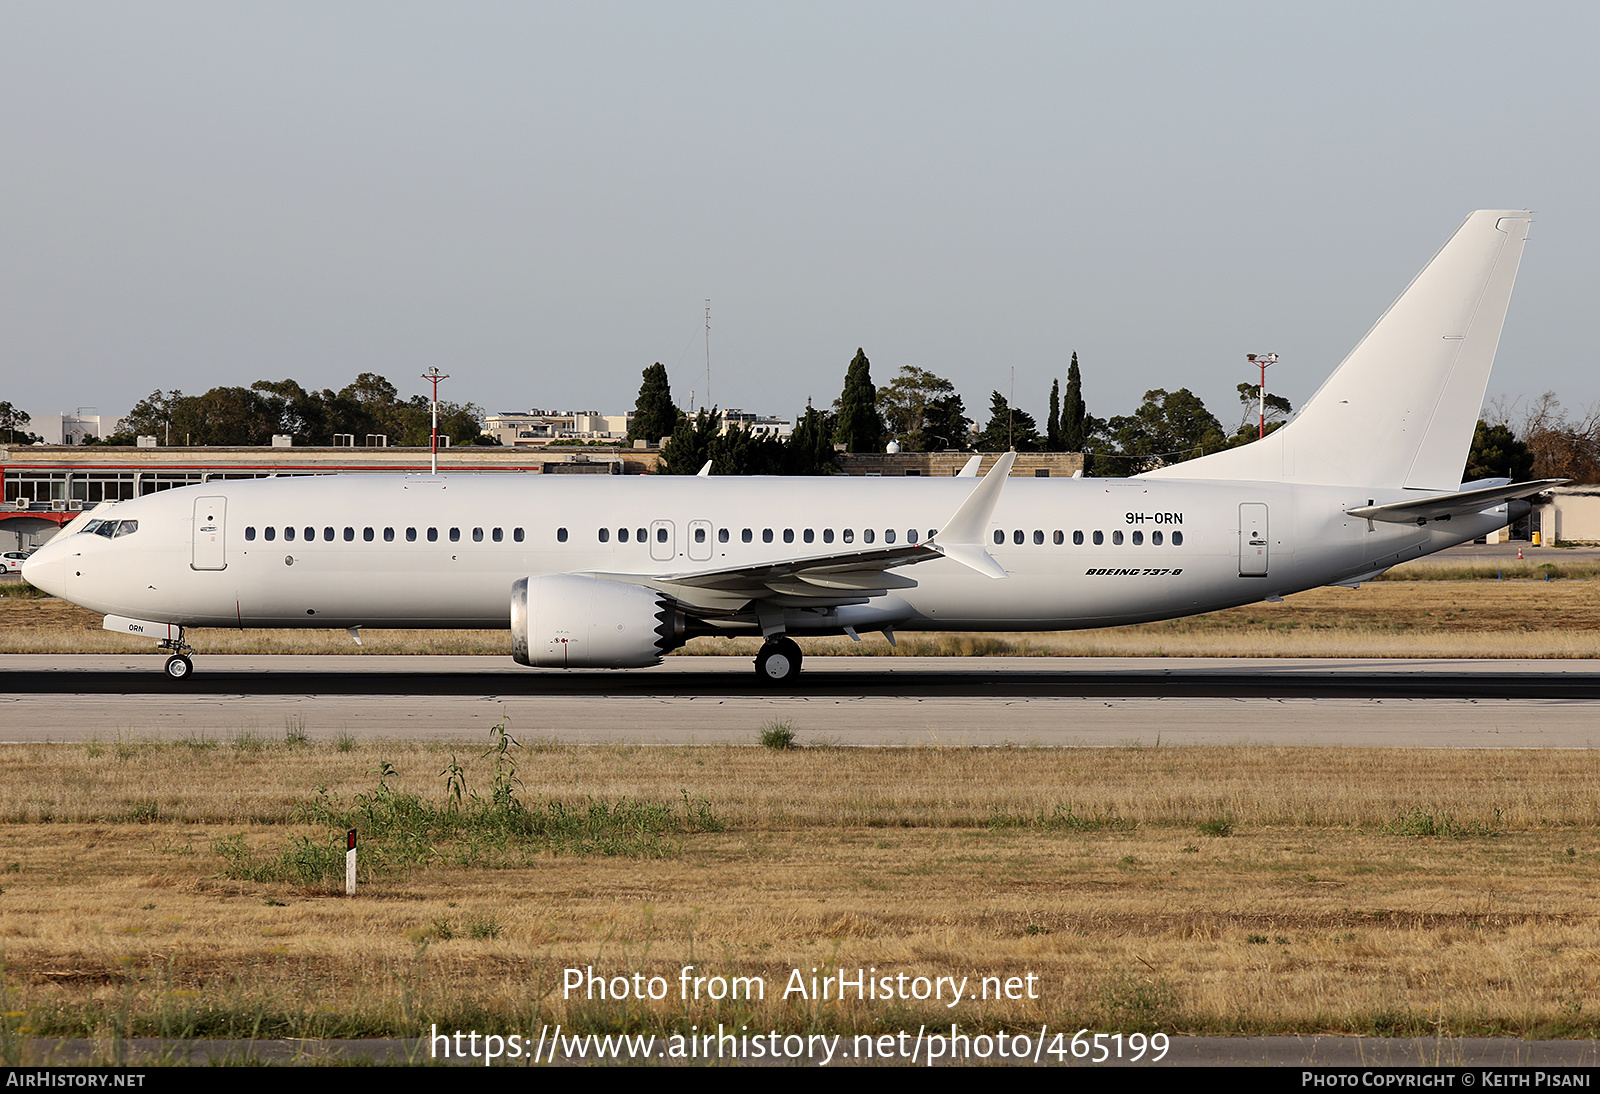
(779, 661)
(179, 667)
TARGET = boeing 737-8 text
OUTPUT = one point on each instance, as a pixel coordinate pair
(616, 573)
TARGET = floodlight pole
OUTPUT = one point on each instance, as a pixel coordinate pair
(433, 376)
(1261, 361)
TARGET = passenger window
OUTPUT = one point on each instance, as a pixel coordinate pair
(561, 535)
(888, 535)
(1138, 538)
(1038, 536)
(1059, 538)
(327, 535)
(1155, 539)
(788, 535)
(249, 533)
(809, 536)
(477, 535)
(388, 535)
(455, 535)
(911, 535)
(269, 533)
(311, 534)
(605, 535)
(1017, 536)
(622, 535)
(288, 534)
(1099, 537)
(848, 535)
(517, 535)
(699, 535)
(722, 535)
(999, 536)
(433, 535)
(349, 535)
(661, 535)
(1077, 539)
(827, 535)
(366, 534)
(411, 535)
(641, 537)
(746, 536)
(1116, 538)
(1177, 539)
(498, 535)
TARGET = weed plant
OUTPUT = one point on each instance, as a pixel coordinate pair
(399, 830)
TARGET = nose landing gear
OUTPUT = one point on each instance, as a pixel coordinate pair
(179, 666)
(779, 661)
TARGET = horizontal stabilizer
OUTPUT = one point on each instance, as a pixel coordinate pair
(1442, 506)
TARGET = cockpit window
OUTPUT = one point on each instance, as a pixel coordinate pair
(91, 527)
(125, 528)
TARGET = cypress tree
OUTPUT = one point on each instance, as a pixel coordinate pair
(655, 415)
(1074, 415)
(860, 428)
(1052, 424)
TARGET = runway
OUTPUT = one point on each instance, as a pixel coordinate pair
(1039, 702)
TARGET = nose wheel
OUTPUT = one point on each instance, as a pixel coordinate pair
(779, 661)
(179, 667)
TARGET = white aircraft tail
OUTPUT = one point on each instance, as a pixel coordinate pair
(1400, 410)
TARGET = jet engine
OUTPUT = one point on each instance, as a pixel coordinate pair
(566, 621)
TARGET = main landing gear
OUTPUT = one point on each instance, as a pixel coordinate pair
(779, 661)
(179, 666)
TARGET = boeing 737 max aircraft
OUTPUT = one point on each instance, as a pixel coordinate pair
(616, 573)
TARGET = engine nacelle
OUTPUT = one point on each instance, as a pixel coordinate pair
(566, 621)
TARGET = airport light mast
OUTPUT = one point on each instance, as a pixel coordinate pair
(433, 376)
(1261, 361)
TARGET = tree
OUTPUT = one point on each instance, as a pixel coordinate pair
(903, 405)
(1008, 428)
(1052, 424)
(1168, 427)
(858, 426)
(945, 425)
(1074, 415)
(1497, 453)
(810, 447)
(1562, 448)
(1278, 411)
(12, 419)
(655, 415)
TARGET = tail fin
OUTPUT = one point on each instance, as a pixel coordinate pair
(1401, 408)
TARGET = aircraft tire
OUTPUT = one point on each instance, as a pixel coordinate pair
(179, 667)
(779, 661)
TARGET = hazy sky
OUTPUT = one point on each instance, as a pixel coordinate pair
(538, 198)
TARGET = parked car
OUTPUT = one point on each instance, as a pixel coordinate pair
(11, 562)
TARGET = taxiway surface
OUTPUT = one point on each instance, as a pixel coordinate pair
(852, 701)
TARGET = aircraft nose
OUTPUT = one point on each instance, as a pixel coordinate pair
(46, 568)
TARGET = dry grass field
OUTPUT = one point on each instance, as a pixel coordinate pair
(192, 887)
(1521, 617)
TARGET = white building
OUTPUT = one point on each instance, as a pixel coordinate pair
(73, 428)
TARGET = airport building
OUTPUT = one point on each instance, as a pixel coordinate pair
(45, 486)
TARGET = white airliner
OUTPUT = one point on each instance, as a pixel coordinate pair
(616, 573)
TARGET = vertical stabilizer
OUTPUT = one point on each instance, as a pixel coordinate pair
(1400, 410)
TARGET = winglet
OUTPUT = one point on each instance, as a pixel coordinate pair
(704, 472)
(961, 538)
(969, 470)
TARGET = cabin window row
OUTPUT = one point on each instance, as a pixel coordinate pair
(748, 535)
(368, 535)
(1097, 537)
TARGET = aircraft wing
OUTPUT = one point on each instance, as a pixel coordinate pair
(1444, 506)
(817, 581)
(839, 578)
